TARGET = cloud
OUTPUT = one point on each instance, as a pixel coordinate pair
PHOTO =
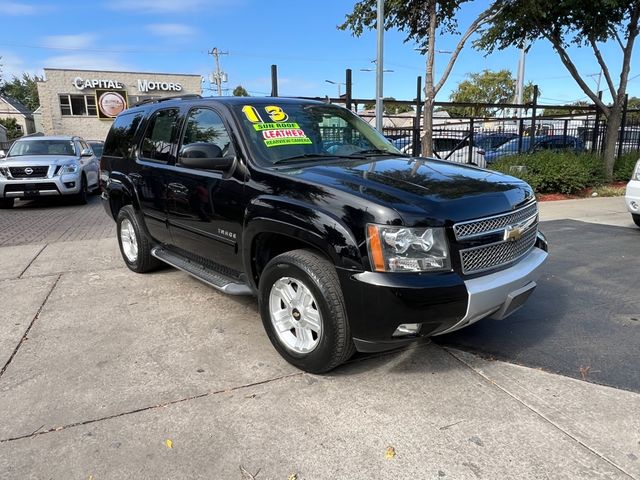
(70, 42)
(171, 29)
(85, 62)
(14, 8)
(14, 66)
(166, 6)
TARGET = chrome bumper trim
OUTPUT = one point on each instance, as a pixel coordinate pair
(493, 293)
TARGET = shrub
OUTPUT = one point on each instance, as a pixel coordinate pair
(555, 172)
(623, 168)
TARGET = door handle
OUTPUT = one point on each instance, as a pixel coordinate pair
(136, 178)
(177, 187)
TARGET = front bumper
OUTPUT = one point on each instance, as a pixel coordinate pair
(68, 184)
(632, 197)
(377, 303)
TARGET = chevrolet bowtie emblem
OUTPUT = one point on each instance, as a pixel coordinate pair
(513, 233)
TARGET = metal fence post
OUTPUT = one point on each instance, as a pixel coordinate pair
(520, 134)
(347, 93)
(416, 150)
(274, 80)
(532, 132)
(596, 127)
(471, 129)
(623, 124)
(564, 132)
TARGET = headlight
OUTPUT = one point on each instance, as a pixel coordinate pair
(401, 249)
(636, 172)
(4, 172)
(70, 168)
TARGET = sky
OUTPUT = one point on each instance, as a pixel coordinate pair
(301, 38)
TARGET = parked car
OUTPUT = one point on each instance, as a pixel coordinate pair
(491, 141)
(348, 244)
(96, 146)
(452, 146)
(48, 166)
(541, 142)
(632, 195)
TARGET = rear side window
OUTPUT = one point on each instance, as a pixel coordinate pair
(119, 142)
(157, 142)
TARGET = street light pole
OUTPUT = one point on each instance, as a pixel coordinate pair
(379, 66)
(338, 84)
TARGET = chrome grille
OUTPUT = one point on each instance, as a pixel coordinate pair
(494, 255)
(36, 172)
(490, 224)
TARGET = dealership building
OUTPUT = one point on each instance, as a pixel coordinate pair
(85, 102)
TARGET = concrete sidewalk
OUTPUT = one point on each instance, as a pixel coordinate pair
(101, 367)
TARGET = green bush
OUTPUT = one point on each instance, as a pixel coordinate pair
(555, 172)
(623, 167)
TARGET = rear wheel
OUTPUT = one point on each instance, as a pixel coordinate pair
(6, 202)
(303, 311)
(636, 219)
(135, 247)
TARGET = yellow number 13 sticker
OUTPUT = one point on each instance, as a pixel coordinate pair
(276, 114)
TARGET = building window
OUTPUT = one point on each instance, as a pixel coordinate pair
(78, 105)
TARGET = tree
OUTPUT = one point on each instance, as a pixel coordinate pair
(13, 128)
(422, 20)
(390, 106)
(24, 89)
(583, 24)
(486, 87)
(633, 118)
(240, 91)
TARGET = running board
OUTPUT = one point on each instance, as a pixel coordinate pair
(206, 275)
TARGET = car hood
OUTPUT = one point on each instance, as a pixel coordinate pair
(36, 160)
(422, 189)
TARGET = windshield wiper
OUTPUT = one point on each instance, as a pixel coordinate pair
(376, 151)
(303, 157)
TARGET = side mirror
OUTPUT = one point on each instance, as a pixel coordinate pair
(2, 154)
(205, 156)
(86, 152)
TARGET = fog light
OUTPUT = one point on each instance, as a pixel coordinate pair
(70, 184)
(407, 329)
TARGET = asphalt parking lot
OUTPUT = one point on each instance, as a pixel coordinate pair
(107, 374)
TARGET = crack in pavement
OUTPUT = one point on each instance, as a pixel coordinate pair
(33, 321)
(32, 260)
(38, 431)
(541, 415)
(151, 407)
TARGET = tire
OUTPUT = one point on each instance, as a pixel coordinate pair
(135, 246)
(80, 198)
(319, 338)
(636, 219)
(6, 202)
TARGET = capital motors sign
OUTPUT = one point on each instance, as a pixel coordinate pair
(144, 85)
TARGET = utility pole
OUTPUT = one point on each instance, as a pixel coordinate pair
(520, 80)
(218, 76)
(379, 66)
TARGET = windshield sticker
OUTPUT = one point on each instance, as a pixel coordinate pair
(289, 136)
(276, 114)
(274, 126)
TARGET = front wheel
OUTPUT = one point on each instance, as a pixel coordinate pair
(303, 311)
(636, 219)
(6, 202)
(80, 198)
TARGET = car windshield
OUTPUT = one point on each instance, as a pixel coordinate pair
(42, 147)
(512, 145)
(97, 148)
(290, 132)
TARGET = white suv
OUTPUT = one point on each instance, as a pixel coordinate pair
(632, 196)
(48, 166)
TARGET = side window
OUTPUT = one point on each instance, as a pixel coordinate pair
(156, 144)
(205, 135)
(119, 141)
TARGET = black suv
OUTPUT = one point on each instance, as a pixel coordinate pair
(347, 243)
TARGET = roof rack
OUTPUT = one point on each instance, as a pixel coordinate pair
(164, 99)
